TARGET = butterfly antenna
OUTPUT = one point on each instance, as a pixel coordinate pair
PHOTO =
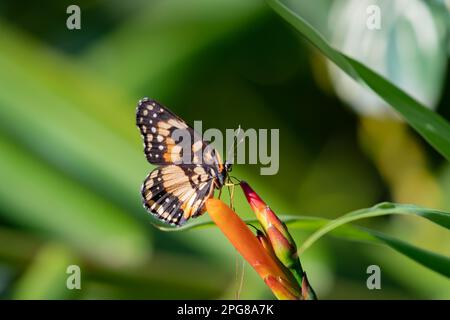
(235, 144)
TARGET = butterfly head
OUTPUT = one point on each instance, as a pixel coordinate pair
(228, 166)
(223, 174)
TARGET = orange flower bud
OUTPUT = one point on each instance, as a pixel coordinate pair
(282, 243)
(252, 250)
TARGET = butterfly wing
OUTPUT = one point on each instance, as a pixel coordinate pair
(189, 166)
(169, 140)
(174, 193)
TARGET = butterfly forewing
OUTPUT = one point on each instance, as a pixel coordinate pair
(168, 139)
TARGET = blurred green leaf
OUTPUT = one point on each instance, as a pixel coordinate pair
(434, 128)
(157, 277)
(413, 56)
(45, 277)
(165, 276)
(145, 53)
(34, 194)
(63, 114)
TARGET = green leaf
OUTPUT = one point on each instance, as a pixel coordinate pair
(431, 126)
(340, 228)
(436, 262)
(433, 261)
(439, 217)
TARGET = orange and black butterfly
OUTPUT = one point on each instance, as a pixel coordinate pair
(189, 168)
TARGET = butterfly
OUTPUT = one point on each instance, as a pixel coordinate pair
(188, 168)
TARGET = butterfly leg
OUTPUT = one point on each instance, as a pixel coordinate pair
(230, 192)
(232, 196)
(230, 186)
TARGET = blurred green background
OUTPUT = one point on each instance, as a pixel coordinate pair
(72, 163)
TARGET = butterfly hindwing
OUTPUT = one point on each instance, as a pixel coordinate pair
(174, 193)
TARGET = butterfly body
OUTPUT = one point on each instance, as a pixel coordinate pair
(189, 168)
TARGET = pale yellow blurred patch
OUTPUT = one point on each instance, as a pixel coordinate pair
(401, 161)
